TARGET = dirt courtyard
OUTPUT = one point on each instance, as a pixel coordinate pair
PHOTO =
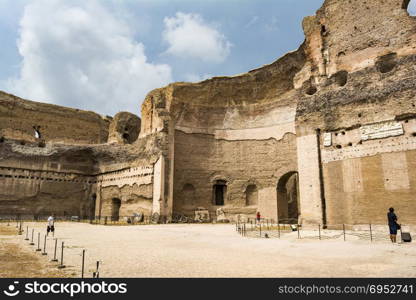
(201, 250)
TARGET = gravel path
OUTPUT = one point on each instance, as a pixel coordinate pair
(206, 250)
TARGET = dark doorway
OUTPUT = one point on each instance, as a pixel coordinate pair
(219, 190)
(287, 198)
(92, 205)
(115, 209)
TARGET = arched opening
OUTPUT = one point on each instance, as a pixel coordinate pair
(251, 195)
(287, 198)
(115, 209)
(37, 133)
(219, 191)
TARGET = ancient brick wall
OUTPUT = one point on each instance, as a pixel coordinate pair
(201, 160)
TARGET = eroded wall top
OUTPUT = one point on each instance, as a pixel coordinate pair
(32, 121)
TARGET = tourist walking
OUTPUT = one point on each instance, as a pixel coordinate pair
(51, 226)
(393, 225)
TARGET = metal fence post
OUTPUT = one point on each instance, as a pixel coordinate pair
(27, 233)
(298, 231)
(54, 253)
(38, 249)
(96, 274)
(31, 242)
(319, 228)
(371, 233)
(278, 229)
(343, 229)
(83, 260)
(260, 230)
(44, 247)
(20, 228)
(62, 257)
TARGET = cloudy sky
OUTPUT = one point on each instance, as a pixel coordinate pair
(107, 55)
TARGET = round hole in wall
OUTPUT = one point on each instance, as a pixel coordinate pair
(338, 146)
(311, 90)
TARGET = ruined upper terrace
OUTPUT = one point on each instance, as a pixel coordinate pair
(340, 40)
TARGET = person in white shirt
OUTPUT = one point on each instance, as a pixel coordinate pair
(51, 226)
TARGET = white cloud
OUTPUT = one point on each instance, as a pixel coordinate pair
(189, 36)
(78, 54)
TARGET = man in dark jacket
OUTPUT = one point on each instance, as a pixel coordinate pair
(393, 226)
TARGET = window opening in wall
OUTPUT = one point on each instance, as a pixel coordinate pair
(115, 209)
(37, 132)
(287, 198)
(323, 30)
(251, 195)
(219, 189)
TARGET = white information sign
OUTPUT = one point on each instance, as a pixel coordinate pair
(327, 139)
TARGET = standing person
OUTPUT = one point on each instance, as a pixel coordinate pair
(258, 217)
(51, 226)
(393, 226)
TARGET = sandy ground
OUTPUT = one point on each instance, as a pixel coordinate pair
(206, 250)
(17, 260)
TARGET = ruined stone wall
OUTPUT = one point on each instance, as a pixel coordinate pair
(40, 181)
(124, 128)
(361, 76)
(339, 113)
(56, 124)
(240, 130)
(132, 186)
(200, 160)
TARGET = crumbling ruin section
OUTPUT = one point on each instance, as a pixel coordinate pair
(324, 135)
(124, 128)
(29, 121)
